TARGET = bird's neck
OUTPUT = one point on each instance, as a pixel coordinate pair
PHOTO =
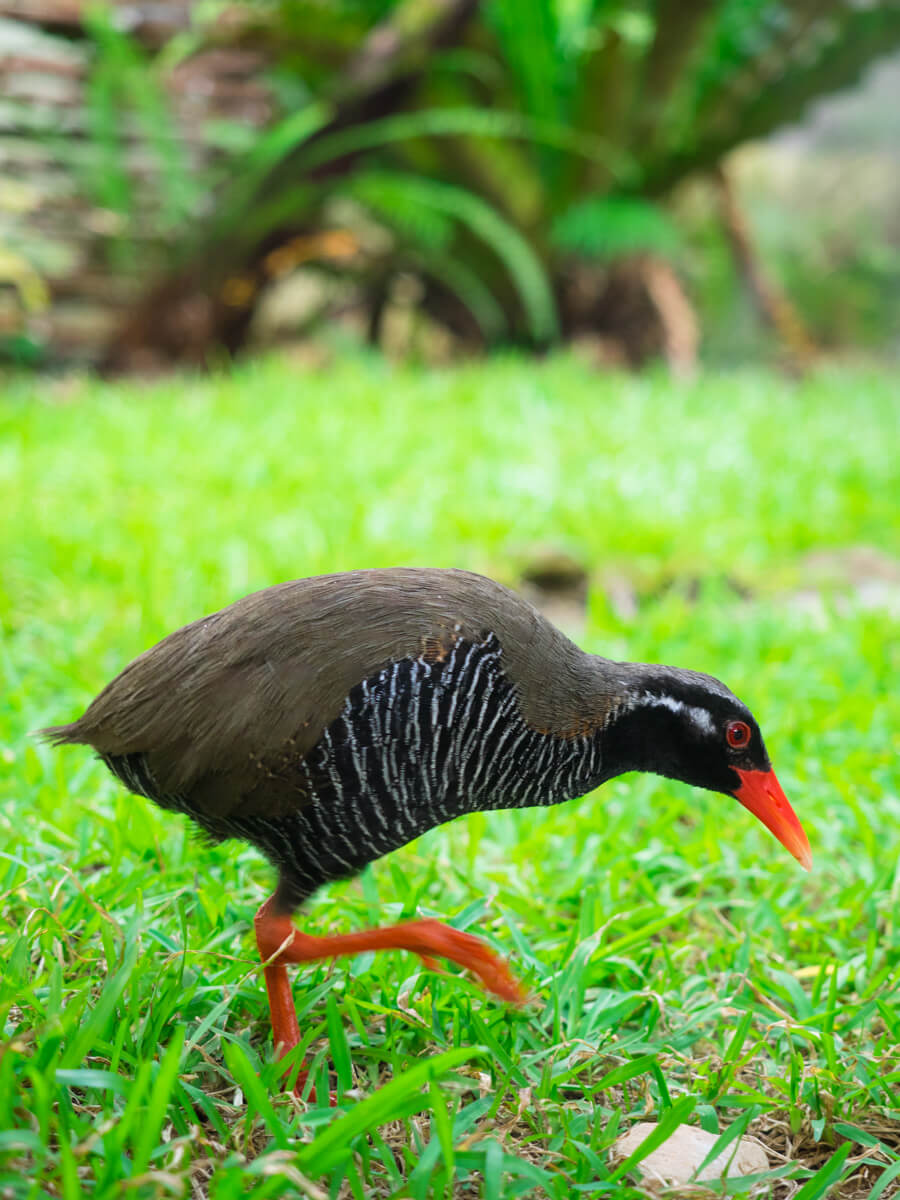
(654, 710)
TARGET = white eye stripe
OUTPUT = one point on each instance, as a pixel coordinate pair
(699, 716)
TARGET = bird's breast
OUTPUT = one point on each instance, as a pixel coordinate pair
(425, 740)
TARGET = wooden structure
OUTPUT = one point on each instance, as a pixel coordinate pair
(70, 260)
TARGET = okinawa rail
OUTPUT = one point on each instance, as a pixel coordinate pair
(331, 720)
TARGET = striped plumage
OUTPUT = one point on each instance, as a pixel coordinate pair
(331, 720)
(421, 742)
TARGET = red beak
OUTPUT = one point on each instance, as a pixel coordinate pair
(761, 793)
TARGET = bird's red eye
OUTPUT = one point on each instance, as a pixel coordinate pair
(738, 734)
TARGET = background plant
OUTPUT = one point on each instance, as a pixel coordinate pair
(459, 142)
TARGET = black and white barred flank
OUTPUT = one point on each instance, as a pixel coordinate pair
(420, 743)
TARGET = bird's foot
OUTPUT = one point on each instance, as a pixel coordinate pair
(279, 941)
(435, 938)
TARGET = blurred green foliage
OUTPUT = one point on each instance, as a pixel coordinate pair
(616, 227)
(125, 100)
(489, 146)
(512, 158)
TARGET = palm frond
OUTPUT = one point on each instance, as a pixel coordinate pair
(390, 197)
(486, 311)
(614, 227)
(248, 176)
(529, 37)
(462, 121)
(126, 99)
(522, 264)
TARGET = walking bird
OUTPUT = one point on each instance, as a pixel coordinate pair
(330, 720)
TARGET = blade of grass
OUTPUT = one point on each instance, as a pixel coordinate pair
(733, 1133)
(158, 1103)
(884, 1181)
(395, 1100)
(444, 1127)
(257, 1097)
(829, 1173)
(91, 1029)
(340, 1051)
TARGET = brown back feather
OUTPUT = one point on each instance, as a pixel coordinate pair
(221, 707)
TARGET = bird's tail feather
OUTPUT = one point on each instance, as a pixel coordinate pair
(60, 735)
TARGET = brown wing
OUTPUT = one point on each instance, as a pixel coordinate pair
(223, 707)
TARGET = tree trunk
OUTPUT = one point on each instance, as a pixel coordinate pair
(772, 304)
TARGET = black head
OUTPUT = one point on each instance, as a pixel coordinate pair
(688, 726)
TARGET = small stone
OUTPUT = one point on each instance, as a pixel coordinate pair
(677, 1159)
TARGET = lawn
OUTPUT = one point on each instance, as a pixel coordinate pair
(682, 966)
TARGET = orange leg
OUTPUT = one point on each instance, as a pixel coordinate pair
(277, 939)
(285, 1029)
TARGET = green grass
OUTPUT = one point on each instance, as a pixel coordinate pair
(682, 966)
